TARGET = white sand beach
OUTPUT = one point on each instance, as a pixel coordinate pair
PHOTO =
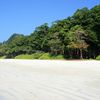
(49, 80)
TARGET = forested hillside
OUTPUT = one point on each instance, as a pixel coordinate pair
(75, 37)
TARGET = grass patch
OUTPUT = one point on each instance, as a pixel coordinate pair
(39, 55)
(59, 57)
(24, 56)
(49, 56)
(45, 56)
(2, 57)
(98, 57)
(27, 56)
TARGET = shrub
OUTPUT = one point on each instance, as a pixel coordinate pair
(45, 56)
(24, 56)
(27, 56)
(37, 55)
(59, 57)
(2, 57)
(49, 56)
(98, 57)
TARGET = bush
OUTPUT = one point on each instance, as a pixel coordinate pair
(49, 56)
(45, 56)
(59, 57)
(37, 55)
(98, 57)
(27, 56)
(24, 56)
(2, 57)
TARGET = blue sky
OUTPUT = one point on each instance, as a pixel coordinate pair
(22, 16)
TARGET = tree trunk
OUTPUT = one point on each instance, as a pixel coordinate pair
(70, 53)
(78, 53)
(81, 55)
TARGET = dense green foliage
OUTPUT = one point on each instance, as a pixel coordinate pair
(98, 57)
(76, 37)
(24, 56)
(2, 57)
(39, 56)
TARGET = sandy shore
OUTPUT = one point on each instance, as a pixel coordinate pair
(49, 80)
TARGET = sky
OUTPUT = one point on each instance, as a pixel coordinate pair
(23, 16)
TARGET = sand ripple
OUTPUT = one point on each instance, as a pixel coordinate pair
(49, 80)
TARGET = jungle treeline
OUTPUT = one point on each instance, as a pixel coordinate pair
(75, 37)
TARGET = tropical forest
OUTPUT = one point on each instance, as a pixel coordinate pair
(75, 37)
